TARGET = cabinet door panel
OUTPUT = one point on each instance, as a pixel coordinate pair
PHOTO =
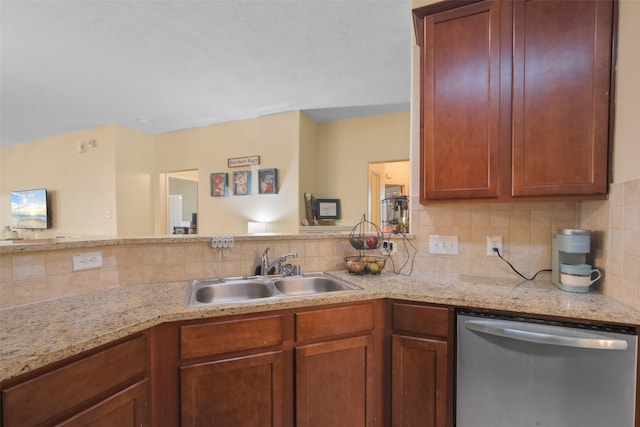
(562, 65)
(419, 382)
(245, 391)
(334, 383)
(461, 103)
(129, 408)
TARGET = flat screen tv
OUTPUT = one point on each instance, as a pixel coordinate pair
(30, 209)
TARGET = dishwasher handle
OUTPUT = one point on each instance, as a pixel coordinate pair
(498, 328)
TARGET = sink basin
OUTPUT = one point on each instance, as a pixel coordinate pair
(302, 285)
(219, 291)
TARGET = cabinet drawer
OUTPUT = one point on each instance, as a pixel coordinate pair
(334, 321)
(421, 319)
(54, 393)
(224, 337)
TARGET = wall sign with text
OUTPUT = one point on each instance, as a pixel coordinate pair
(237, 162)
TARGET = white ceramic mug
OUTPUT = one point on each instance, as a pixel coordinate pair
(578, 275)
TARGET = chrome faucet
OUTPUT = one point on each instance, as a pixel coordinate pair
(265, 266)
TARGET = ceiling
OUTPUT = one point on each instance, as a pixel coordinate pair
(165, 65)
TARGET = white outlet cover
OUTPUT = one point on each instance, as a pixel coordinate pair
(494, 241)
(87, 260)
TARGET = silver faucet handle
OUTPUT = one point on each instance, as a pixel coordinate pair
(290, 270)
(280, 261)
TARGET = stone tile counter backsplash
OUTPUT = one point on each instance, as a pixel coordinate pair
(36, 276)
(618, 253)
(526, 230)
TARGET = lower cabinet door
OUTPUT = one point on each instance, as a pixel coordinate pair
(128, 408)
(244, 391)
(334, 383)
(419, 382)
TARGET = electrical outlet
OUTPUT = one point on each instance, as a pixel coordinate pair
(447, 245)
(388, 247)
(494, 242)
(87, 260)
(222, 242)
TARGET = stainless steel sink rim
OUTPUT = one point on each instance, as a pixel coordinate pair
(207, 292)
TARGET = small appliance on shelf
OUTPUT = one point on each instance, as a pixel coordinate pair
(394, 213)
(570, 270)
(364, 236)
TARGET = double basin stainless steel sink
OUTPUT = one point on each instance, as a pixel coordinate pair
(234, 289)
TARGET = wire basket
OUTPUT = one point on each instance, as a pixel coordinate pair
(365, 235)
(364, 264)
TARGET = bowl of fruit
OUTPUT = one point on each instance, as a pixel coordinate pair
(365, 242)
(364, 264)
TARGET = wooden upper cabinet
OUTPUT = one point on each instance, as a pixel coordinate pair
(562, 74)
(460, 77)
(515, 99)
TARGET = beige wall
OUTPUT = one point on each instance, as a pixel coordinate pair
(626, 152)
(274, 138)
(396, 173)
(136, 188)
(308, 160)
(106, 190)
(347, 147)
(82, 186)
(119, 184)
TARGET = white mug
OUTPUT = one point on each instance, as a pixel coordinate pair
(578, 275)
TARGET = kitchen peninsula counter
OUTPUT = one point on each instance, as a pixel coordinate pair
(18, 246)
(37, 334)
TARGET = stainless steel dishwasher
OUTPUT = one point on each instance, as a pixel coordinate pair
(520, 372)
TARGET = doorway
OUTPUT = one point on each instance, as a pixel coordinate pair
(182, 202)
(386, 179)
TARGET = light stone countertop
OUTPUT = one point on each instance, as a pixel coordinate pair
(35, 335)
(50, 244)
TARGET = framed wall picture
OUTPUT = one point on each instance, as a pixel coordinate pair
(242, 183)
(327, 209)
(268, 181)
(219, 184)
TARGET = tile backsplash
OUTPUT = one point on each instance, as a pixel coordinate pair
(37, 276)
(618, 249)
(526, 230)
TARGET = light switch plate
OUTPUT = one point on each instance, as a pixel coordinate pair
(444, 245)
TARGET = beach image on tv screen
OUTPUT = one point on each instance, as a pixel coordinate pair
(29, 209)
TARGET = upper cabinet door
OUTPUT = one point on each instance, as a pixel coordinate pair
(460, 84)
(561, 84)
